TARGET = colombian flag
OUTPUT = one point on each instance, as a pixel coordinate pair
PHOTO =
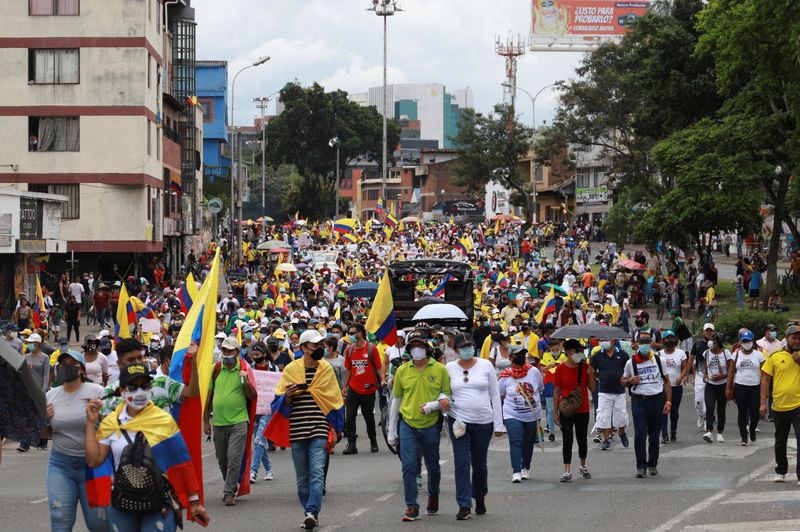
(187, 293)
(124, 318)
(169, 451)
(349, 237)
(381, 320)
(439, 291)
(38, 304)
(379, 207)
(325, 390)
(391, 220)
(345, 225)
(548, 307)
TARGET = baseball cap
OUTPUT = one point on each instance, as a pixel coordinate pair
(133, 371)
(220, 336)
(73, 354)
(746, 335)
(462, 340)
(63, 342)
(792, 329)
(26, 332)
(279, 334)
(769, 327)
(311, 336)
(34, 338)
(102, 334)
(230, 343)
(708, 326)
(668, 333)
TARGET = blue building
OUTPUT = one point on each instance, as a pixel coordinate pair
(212, 94)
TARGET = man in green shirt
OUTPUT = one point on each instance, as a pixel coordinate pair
(229, 392)
(421, 390)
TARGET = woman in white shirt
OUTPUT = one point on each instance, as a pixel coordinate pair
(472, 381)
(718, 365)
(676, 367)
(520, 386)
(498, 354)
(744, 385)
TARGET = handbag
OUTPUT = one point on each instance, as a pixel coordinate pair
(570, 404)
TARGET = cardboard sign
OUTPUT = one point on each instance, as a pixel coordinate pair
(151, 326)
(266, 381)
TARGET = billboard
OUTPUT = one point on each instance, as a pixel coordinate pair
(590, 196)
(581, 24)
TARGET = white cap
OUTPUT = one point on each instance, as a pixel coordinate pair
(155, 337)
(220, 336)
(311, 336)
(102, 334)
(240, 312)
(709, 326)
(252, 323)
(230, 343)
(33, 338)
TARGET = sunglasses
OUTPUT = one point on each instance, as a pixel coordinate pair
(134, 387)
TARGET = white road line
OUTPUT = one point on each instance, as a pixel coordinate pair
(765, 496)
(385, 497)
(39, 501)
(791, 524)
(358, 512)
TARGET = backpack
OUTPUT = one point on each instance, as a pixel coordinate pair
(139, 484)
(636, 371)
(570, 404)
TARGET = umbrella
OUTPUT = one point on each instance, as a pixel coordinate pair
(555, 287)
(629, 264)
(247, 222)
(265, 219)
(22, 401)
(411, 220)
(301, 265)
(300, 222)
(286, 267)
(363, 289)
(440, 311)
(591, 330)
(502, 218)
(272, 244)
(279, 250)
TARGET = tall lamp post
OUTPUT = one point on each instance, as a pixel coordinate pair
(237, 251)
(335, 141)
(262, 104)
(533, 97)
(384, 8)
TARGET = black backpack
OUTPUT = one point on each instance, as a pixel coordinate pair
(139, 484)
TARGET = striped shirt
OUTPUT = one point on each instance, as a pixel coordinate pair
(307, 420)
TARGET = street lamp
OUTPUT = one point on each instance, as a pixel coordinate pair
(238, 231)
(335, 141)
(384, 8)
(533, 98)
(262, 104)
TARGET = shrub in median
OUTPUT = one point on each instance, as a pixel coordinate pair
(729, 323)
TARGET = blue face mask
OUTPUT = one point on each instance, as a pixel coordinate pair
(645, 349)
(467, 352)
(605, 346)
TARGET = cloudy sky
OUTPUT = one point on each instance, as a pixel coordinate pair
(339, 44)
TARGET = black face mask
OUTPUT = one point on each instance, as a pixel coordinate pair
(68, 373)
(519, 360)
(639, 323)
(273, 348)
(318, 353)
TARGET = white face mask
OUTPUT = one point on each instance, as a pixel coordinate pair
(418, 353)
(747, 346)
(710, 344)
(577, 357)
(138, 399)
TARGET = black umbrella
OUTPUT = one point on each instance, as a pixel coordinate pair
(591, 330)
(23, 406)
(363, 289)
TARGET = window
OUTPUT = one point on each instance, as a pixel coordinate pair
(71, 210)
(158, 17)
(599, 177)
(538, 173)
(372, 194)
(208, 109)
(54, 133)
(51, 66)
(584, 176)
(54, 7)
(149, 136)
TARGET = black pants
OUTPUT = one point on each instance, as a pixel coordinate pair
(674, 414)
(783, 422)
(578, 425)
(73, 325)
(647, 412)
(367, 404)
(747, 402)
(715, 398)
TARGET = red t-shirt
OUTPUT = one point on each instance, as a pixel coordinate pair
(362, 369)
(566, 378)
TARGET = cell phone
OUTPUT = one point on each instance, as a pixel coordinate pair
(302, 386)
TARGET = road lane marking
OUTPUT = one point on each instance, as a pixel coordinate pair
(358, 512)
(385, 497)
(791, 524)
(39, 501)
(761, 497)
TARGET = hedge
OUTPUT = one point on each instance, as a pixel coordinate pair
(729, 323)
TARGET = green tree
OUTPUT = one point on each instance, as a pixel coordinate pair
(300, 136)
(489, 148)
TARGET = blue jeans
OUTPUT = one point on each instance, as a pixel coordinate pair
(260, 454)
(740, 297)
(647, 411)
(412, 442)
(66, 488)
(130, 522)
(309, 465)
(520, 441)
(471, 449)
(550, 412)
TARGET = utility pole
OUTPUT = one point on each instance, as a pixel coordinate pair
(336, 142)
(262, 104)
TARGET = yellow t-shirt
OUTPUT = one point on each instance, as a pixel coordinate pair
(711, 295)
(785, 373)
(549, 358)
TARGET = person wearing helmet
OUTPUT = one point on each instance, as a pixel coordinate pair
(422, 381)
(718, 365)
(744, 385)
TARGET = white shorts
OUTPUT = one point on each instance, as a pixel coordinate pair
(611, 411)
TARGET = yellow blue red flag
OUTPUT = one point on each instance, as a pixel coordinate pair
(381, 320)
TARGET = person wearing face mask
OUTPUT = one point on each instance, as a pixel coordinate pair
(611, 413)
(165, 359)
(105, 447)
(308, 397)
(769, 343)
(261, 362)
(11, 336)
(520, 387)
(552, 357)
(232, 398)
(420, 392)
(65, 422)
(744, 385)
(651, 397)
(718, 364)
(574, 374)
(675, 364)
(642, 322)
(472, 381)
(96, 362)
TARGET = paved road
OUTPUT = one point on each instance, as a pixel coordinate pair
(701, 487)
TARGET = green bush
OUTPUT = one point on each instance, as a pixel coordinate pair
(729, 323)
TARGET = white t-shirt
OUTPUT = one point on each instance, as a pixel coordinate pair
(671, 363)
(113, 367)
(748, 367)
(96, 369)
(77, 290)
(717, 364)
(251, 289)
(650, 381)
(469, 399)
(116, 441)
(515, 406)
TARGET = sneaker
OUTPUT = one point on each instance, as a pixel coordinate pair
(480, 506)
(623, 439)
(525, 474)
(566, 477)
(707, 437)
(653, 471)
(597, 438)
(269, 476)
(641, 473)
(701, 422)
(463, 514)
(744, 443)
(229, 500)
(673, 437)
(664, 441)
(516, 478)
(585, 472)
(606, 446)
(253, 478)
(412, 514)
(720, 439)
(780, 479)
(433, 505)
(753, 437)
(552, 437)
(22, 449)
(310, 521)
